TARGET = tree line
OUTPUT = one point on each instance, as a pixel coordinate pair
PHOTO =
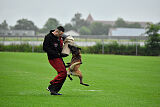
(77, 24)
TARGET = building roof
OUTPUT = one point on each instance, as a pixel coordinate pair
(127, 32)
(106, 22)
(90, 19)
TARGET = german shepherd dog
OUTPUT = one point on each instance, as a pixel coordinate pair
(75, 64)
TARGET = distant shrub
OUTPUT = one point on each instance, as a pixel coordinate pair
(115, 48)
(20, 48)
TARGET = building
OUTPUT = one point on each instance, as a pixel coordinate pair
(17, 33)
(91, 20)
(72, 33)
(127, 32)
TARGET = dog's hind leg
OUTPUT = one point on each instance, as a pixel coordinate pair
(79, 74)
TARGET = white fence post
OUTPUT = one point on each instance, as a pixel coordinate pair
(102, 46)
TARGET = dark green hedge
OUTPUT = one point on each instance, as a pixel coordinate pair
(20, 48)
(113, 48)
(119, 49)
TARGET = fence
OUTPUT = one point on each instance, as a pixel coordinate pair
(83, 40)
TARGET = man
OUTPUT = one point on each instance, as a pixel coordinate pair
(53, 44)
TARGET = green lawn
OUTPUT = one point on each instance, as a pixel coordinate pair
(115, 81)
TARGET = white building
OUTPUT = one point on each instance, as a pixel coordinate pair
(127, 32)
(72, 33)
(17, 32)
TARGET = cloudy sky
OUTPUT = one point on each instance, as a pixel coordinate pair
(39, 11)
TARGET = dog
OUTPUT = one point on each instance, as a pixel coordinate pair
(75, 63)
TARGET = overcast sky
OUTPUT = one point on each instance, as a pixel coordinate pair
(39, 11)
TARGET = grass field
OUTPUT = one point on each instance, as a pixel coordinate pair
(115, 81)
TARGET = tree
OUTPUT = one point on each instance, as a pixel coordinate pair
(120, 23)
(68, 27)
(99, 28)
(84, 31)
(25, 24)
(134, 25)
(153, 42)
(51, 24)
(106, 28)
(4, 25)
(78, 22)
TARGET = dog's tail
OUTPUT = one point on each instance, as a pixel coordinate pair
(73, 65)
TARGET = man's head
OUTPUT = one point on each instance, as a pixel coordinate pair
(59, 31)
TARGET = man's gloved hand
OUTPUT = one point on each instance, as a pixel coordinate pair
(64, 36)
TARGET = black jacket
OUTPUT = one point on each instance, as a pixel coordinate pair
(51, 45)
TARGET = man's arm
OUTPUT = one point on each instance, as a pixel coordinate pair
(46, 47)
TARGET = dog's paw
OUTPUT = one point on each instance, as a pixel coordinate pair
(84, 84)
(70, 77)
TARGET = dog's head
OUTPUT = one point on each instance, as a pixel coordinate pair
(75, 50)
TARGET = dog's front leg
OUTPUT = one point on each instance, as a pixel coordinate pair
(70, 77)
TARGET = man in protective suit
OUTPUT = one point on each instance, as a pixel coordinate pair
(52, 45)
